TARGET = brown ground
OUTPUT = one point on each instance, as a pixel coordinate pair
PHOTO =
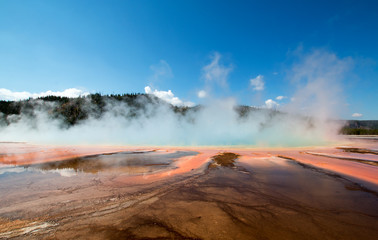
(216, 194)
(226, 159)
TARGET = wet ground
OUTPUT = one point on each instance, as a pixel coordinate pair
(189, 193)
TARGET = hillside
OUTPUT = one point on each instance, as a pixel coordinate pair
(360, 127)
(72, 111)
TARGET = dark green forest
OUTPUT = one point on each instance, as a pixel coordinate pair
(360, 127)
(75, 110)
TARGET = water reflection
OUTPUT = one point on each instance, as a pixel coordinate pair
(123, 162)
(12, 169)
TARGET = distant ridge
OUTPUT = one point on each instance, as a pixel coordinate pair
(360, 127)
(74, 110)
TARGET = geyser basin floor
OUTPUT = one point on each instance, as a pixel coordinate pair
(186, 193)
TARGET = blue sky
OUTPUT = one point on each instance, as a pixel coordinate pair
(124, 46)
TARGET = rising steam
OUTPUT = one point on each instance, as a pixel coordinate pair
(307, 120)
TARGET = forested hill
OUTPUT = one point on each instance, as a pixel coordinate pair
(360, 127)
(75, 110)
(71, 111)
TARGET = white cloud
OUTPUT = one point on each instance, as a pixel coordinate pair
(271, 104)
(357, 115)
(6, 94)
(257, 83)
(168, 96)
(215, 72)
(201, 94)
(162, 69)
(280, 98)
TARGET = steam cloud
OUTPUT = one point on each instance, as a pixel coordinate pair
(306, 121)
(215, 72)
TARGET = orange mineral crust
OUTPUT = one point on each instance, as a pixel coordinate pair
(350, 163)
(129, 192)
(22, 154)
(360, 166)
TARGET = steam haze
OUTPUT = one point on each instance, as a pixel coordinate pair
(308, 119)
